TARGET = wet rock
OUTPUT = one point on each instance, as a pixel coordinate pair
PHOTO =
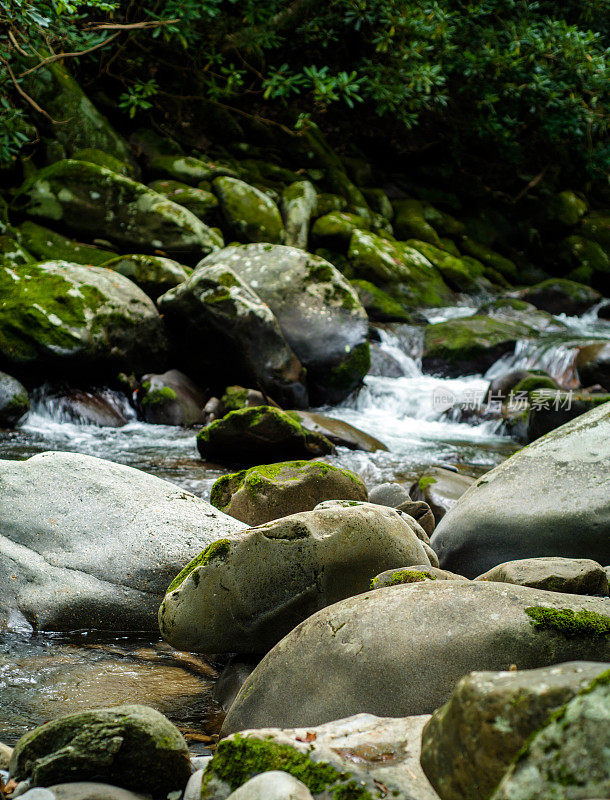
(235, 397)
(401, 650)
(47, 245)
(493, 260)
(441, 489)
(61, 317)
(299, 204)
(384, 364)
(231, 679)
(90, 406)
(574, 575)
(550, 409)
(153, 274)
(259, 434)
(460, 274)
(96, 544)
(421, 512)
(214, 303)
(515, 310)
(338, 432)
(92, 200)
(549, 499)
(568, 757)
(176, 166)
(171, 399)
(560, 296)
(518, 380)
(361, 757)
(249, 213)
(199, 202)
(273, 785)
(470, 741)
(85, 790)
(410, 222)
(335, 230)
(414, 574)
(318, 312)
(282, 572)
(379, 305)
(14, 401)
(594, 367)
(96, 156)
(134, 746)
(264, 493)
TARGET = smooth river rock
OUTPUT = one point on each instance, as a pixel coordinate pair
(575, 575)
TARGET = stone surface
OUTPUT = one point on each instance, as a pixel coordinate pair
(250, 214)
(134, 746)
(471, 741)
(338, 431)
(198, 201)
(48, 245)
(568, 758)
(244, 596)
(299, 203)
(549, 499)
(153, 274)
(560, 296)
(170, 399)
(389, 494)
(264, 493)
(318, 312)
(86, 790)
(413, 574)
(273, 785)
(361, 757)
(441, 489)
(14, 401)
(260, 434)
(88, 543)
(575, 575)
(58, 317)
(215, 304)
(401, 650)
(5, 755)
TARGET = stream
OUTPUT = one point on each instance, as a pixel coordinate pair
(44, 675)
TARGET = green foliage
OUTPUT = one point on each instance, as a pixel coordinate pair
(137, 97)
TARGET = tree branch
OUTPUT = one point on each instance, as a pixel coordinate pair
(60, 56)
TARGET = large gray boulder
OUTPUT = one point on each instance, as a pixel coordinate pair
(574, 575)
(401, 650)
(361, 757)
(62, 317)
(568, 758)
(215, 306)
(549, 499)
(87, 543)
(244, 596)
(318, 311)
(471, 741)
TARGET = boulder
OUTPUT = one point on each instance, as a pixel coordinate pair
(318, 312)
(519, 311)
(11, 251)
(549, 499)
(272, 785)
(199, 202)
(153, 274)
(338, 432)
(460, 274)
(299, 203)
(58, 317)
(414, 574)
(244, 596)
(334, 230)
(14, 401)
(361, 757)
(235, 397)
(401, 650)
(469, 344)
(259, 434)
(549, 409)
(574, 575)
(96, 156)
(471, 741)
(389, 494)
(493, 260)
(87, 543)
(410, 222)
(89, 790)
(133, 746)
(594, 368)
(83, 406)
(170, 399)
(568, 757)
(47, 245)
(215, 304)
(441, 489)
(250, 214)
(264, 493)
(560, 296)
(85, 198)
(167, 161)
(379, 305)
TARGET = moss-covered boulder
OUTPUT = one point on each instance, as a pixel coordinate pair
(216, 305)
(459, 274)
(82, 125)
(318, 312)
(47, 245)
(560, 296)
(482, 252)
(588, 261)
(153, 274)
(262, 434)
(399, 269)
(14, 401)
(379, 305)
(556, 574)
(170, 399)
(280, 573)
(199, 202)
(410, 222)
(61, 317)
(131, 746)
(87, 199)
(470, 344)
(103, 159)
(264, 493)
(335, 230)
(568, 757)
(596, 226)
(186, 169)
(567, 208)
(299, 205)
(11, 250)
(379, 202)
(414, 574)
(248, 212)
(470, 742)
(515, 310)
(328, 202)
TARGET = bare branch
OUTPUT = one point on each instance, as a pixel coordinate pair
(107, 26)
(26, 96)
(60, 56)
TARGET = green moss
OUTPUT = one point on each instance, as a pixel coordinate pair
(240, 758)
(410, 223)
(405, 576)
(460, 339)
(379, 305)
(96, 156)
(569, 622)
(252, 215)
(47, 245)
(459, 274)
(532, 382)
(503, 265)
(347, 374)
(158, 396)
(217, 551)
(425, 481)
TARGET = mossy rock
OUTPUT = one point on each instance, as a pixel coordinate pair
(47, 245)
(131, 746)
(379, 202)
(335, 230)
(153, 274)
(102, 159)
(516, 310)
(445, 224)
(469, 345)
(14, 401)
(12, 252)
(89, 199)
(398, 577)
(249, 213)
(533, 382)
(482, 252)
(410, 223)
(57, 316)
(262, 433)
(187, 169)
(327, 203)
(264, 493)
(596, 226)
(550, 409)
(567, 208)
(560, 296)
(379, 305)
(399, 269)
(586, 258)
(199, 202)
(460, 275)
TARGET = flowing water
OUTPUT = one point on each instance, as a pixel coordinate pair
(42, 676)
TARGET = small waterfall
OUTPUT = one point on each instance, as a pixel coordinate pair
(99, 407)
